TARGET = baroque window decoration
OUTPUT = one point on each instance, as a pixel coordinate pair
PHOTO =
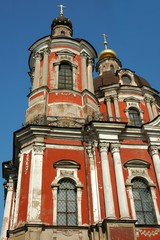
(65, 79)
(126, 79)
(142, 193)
(67, 194)
(144, 208)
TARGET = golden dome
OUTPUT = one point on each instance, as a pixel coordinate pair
(107, 53)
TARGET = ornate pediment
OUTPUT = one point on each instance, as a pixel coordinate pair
(65, 52)
(131, 99)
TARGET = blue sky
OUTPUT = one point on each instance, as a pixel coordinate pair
(133, 32)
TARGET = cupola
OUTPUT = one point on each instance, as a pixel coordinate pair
(61, 25)
(107, 60)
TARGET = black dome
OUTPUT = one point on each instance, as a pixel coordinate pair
(62, 20)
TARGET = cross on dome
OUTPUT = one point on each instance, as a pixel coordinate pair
(61, 9)
(105, 40)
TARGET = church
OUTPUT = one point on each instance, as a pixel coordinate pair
(86, 163)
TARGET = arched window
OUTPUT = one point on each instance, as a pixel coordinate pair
(143, 202)
(67, 202)
(62, 33)
(65, 80)
(134, 117)
(112, 68)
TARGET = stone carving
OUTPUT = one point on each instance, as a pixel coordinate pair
(153, 149)
(65, 173)
(38, 149)
(26, 164)
(67, 232)
(149, 233)
(97, 116)
(103, 146)
(115, 147)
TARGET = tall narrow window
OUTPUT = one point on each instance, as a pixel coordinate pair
(143, 202)
(134, 117)
(112, 68)
(65, 80)
(67, 203)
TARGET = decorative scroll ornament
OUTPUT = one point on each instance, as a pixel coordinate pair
(38, 149)
(103, 146)
(153, 149)
(115, 147)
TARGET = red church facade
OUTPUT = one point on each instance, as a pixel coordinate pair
(86, 163)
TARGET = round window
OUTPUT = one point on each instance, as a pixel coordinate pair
(126, 79)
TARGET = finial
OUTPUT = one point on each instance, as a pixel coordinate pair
(61, 9)
(105, 40)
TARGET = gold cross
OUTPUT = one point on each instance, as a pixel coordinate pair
(61, 9)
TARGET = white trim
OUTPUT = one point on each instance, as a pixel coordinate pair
(72, 174)
(141, 173)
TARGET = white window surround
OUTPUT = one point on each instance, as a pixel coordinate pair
(74, 71)
(123, 72)
(133, 103)
(139, 168)
(67, 169)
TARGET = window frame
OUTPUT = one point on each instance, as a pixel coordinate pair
(67, 169)
(139, 168)
(67, 197)
(134, 117)
(140, 201)
(65, 75)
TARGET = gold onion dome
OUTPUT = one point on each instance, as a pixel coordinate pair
(106, 52)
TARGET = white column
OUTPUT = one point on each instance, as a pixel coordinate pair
(116, 107)
(84, 70)
(45, 67)
(109, 110)
(154, 152)
(35, 186)
(148, 100)
(90, 76)
(94, 186)
(8, 208)
(107, 186)
(121, 190)
(37, 71)
(18, 188)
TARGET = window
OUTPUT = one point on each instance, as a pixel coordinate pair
(62, 33)
(65, 76)
(112, 68)
(66, 202)
(143, 202)
(134, 117)
(126, 79)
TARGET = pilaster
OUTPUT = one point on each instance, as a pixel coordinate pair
(107, 186)
(154, 152)
(37, 57)
(121, 191)
(94, 185)
(35, 188)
